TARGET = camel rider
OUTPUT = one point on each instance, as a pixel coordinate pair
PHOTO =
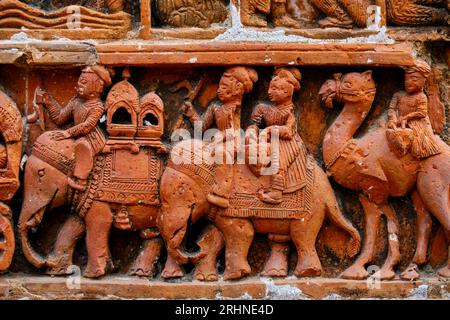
(86, 110)
(409, 110)
(235, 82)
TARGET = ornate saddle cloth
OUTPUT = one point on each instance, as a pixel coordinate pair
(123, 178)
(295, 205)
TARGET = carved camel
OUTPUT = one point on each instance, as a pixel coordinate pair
(368, 165)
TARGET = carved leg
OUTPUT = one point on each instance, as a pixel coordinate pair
(238, 235)
(434, 190)
(445, 270)
(387, 272)
(277, 264)
(60, 260)
(373, 214)
(172, 269)
(212, 243)
(145, 264)
(98, 225)
(304, 235)
(423, 227)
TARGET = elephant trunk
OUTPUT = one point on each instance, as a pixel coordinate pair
(32, 256)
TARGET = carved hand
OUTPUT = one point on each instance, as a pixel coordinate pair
(392, 124)
(61, 135)
(42, 96)
(187, 108)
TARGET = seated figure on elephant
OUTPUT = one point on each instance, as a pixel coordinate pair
(121, 171)
(85, 110)
(291, 160)
(186, 188)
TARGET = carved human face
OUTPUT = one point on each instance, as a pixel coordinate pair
(280, 91)
(414, 82)
(86, 86)
(229, 89)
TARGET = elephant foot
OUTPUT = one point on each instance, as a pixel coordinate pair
(172, 269)
(387, 274)
(58, 266)
(92, 272)
(277, 265)
(206, 274)
(355, 272)
(411, 273)
(444, 272)
(142, 271)
(308, 272)
(145, 265)
(237, 272)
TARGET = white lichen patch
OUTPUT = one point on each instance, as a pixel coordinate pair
(419, 293)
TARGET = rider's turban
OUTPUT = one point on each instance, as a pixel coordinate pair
(246, 76)
(291, 75)
(103, 73)
(420, 66)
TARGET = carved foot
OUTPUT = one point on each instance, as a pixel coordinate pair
(145, 265)
(206, 272)
(286, 21)
(335, 23)
(277, 265)
(444, 272)
(355, 272)
(142, 269)
(307, 272)
(253, 21)
(92, 272)
(59, 265)
(237, 273)
(411, 273)
(172, 270)
(387, 274)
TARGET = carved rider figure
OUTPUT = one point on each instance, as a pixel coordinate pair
(280, 116)
(409, 113)
(86, 110)
(235, 82)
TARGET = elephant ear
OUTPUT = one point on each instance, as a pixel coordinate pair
(436, 109)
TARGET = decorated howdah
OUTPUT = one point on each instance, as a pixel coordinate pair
(178, 149)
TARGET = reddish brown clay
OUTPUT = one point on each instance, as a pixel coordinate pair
(348, 13)
(110, 181)
(385, 161)
(244, 198)
(11, 130)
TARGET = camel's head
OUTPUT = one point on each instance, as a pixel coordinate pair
(351, 87)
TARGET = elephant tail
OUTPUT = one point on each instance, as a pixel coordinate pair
(335, 215)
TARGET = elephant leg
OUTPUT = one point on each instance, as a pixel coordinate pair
(60, 260)
(387, 272)
(212, 244)
(238, 235)
(423, 227)
(373, 215)
(98, 225)
(304, 235)
(172, 269)
(145, 264)
(277, 264)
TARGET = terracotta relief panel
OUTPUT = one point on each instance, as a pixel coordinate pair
(108, 187)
